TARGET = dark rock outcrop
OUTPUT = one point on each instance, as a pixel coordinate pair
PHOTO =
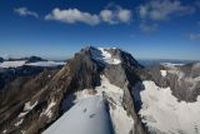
(1, 59)
(33, 59)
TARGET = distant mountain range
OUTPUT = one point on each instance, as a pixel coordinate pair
(28, 59)
(100, 91)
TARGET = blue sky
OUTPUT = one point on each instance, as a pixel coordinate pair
(161, 29)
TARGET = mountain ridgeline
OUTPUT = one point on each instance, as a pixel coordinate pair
(106, 87)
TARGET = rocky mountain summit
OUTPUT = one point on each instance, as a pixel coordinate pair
(103, 91)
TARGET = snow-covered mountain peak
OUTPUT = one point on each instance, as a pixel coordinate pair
(110, 56)
(105, 55)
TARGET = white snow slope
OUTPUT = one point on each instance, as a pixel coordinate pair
(88, 116)
(162, 112)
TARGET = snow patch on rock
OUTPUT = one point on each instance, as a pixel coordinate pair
(27, 108)
(162, 112)
(19, 122)
(107, 57)
(48, 111)
(23, 131)
(122, 122)
(101, 54)
(110, 90)
(4, 131)
(163, 72)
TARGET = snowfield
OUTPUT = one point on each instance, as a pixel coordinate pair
(15, 64)
(12, 64)
(88, 116)
(162, 112)
(46, 64)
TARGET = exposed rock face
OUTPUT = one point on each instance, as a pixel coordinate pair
(163, 93)
(10, 74)
(124, 75)
(35, 98)
(84, 71)
(183, 80)
(186, 85)
(19, 92)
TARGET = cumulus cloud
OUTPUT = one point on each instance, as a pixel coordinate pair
(164, 9)
(194, 36)
(71, 16)
(23, 11)
(116, 16)
(107, 16)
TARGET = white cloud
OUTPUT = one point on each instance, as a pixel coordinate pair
(194, 36)
(164, 9)
(23, 11)
(107, 16)
(116, 16)
(124, 15)
(71, 16)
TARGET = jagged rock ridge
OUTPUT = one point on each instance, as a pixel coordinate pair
(37, 103)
